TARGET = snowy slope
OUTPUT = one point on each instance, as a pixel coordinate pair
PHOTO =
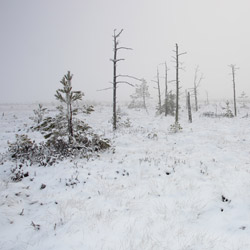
(157, 190)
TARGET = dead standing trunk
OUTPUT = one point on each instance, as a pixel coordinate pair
(177, 54)
(189, 108)
(166, 89)
(159, 90)
(177, 84)
(115, 76)
(233, 68)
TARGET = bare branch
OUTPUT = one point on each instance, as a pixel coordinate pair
(117, 60)
(184, 53)
(125, 82)
(132, 77)
(117, 35)
(171, 81)
(124, 48)
(104, 89)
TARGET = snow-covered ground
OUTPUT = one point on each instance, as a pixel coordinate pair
(153, 190)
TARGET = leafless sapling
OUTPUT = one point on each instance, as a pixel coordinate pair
(176, 57)
(233, 68)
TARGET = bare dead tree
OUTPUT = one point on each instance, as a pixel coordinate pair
(166, 89)
(233, 68)
(197, 81)
(158, 89)
(189, 108)
(115, 60)
(177, 55)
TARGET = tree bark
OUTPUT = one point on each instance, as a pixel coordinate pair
(166, 90)
(189, 108)
(177, 84)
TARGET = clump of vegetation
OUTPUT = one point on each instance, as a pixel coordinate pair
(140, 96)
(39, 114)
(170, 103)
(229, 112)
(175, 128)
(66, 136)
(122, 121)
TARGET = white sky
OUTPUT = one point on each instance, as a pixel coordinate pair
(42, 39)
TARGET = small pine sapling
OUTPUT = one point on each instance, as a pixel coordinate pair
(68, 96)
(140, 96)
(38, 114)
(229, 112)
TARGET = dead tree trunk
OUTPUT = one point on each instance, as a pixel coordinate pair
(166, 89)
(177, 84)
(114, 82)
(177, 54)
(233, 68)
(196, 85)
(189, 108)
(159, 90)
(115, 76)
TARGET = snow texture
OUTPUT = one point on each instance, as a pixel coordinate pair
(154, 190)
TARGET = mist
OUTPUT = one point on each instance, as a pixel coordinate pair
(42, 40)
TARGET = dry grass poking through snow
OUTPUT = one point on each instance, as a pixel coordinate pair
(183, 191)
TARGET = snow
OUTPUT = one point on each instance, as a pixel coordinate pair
(152, 190)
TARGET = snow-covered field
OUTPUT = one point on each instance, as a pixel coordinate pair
(154, 190)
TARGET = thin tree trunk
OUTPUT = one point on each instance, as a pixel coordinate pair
(159, 90)
(189, 108)
(114, 83)
(232, 66)
(166, 89)
(195, 89)
(235, 110)
(177, 85)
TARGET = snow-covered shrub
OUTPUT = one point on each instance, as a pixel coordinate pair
(83, 142)
(122, 120)
(175, 128)
(140, 96)
(229, 112)
(170, 103)
(26, 150)
(18, 173)
(65, 135)
(209, 114)
(38, 114)
(22, 147)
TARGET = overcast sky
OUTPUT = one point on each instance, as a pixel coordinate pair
(42, 39)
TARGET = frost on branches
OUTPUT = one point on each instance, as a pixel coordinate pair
(140, 96)
(66, 136)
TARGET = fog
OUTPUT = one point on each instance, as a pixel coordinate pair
(42, 40)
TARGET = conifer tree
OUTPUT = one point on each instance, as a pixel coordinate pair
(140, 95)
(68, 96)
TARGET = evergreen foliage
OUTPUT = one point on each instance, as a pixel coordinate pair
(68, 96)
(140, 96)
(170, 102)
(38, 114)
(66, 136)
